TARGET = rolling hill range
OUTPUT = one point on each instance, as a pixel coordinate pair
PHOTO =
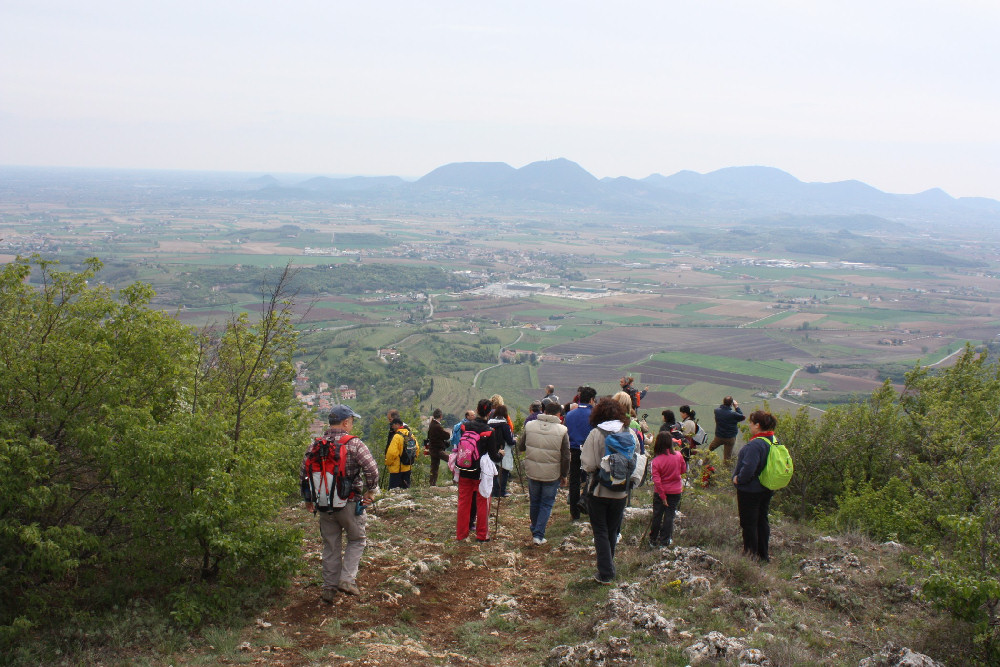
(559, 189)
(733, 194)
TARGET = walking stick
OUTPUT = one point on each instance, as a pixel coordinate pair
(517, 467)
(496, 520)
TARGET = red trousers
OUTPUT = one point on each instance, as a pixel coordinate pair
(468, 491)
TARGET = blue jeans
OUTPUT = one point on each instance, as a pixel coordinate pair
(543, 497)
(606, 522)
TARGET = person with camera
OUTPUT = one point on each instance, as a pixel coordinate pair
(438, 439)
(727, 419)
(340, 563)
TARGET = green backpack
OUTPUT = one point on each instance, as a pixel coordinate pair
(778, 470)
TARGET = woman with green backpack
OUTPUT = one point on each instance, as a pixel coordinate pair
(753, 498)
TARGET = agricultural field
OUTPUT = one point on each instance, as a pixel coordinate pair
(690, 317)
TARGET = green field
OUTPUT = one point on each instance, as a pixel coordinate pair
(873, 317)
(774, 370)
(512, 381)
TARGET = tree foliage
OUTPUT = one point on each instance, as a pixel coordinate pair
(919, 467)
(135, 454)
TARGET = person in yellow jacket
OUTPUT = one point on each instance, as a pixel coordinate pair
(399, 473)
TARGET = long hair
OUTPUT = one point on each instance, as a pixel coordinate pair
(663, 443)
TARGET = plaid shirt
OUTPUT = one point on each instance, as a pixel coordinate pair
(359, 460)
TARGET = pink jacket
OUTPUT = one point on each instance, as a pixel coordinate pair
(667, 471)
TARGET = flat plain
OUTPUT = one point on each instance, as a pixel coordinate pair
(587, 301)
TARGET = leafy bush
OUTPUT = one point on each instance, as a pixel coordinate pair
(891, 512)
(136, 455)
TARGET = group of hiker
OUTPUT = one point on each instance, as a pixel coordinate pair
(595, 447)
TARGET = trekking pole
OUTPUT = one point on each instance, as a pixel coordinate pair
(496, 520)
(517, 467)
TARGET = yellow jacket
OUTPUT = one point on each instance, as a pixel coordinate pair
(395, 449)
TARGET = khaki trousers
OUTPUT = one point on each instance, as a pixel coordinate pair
(340, 564)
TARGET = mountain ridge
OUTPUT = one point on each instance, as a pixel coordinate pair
(724, 195)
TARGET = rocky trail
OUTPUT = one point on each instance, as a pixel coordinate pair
(427, 599)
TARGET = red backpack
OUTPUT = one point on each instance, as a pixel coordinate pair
(329, 487)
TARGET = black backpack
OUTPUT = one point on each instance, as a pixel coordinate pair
(408, 455)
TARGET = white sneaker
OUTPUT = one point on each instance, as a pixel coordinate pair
(539, 541)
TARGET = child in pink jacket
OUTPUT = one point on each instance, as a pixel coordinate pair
(667, 469)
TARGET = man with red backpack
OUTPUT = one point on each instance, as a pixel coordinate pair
(331, 482)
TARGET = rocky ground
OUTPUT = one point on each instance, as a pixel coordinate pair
(427, 599)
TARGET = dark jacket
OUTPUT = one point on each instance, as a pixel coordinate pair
(726, 420)
(578, 423)
(438, 437)
(634, 394)
(487, 446)
(750, 463)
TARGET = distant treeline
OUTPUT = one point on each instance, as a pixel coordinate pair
(842, 245)
(352, 278)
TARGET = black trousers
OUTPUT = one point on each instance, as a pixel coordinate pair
(662, 529)
(753, 508)
(606, 522)
(577, 478)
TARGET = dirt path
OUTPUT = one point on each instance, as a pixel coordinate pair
(424, 595)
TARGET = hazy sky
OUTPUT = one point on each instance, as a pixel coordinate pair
(904, 95)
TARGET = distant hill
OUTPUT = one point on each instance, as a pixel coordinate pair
(563, 189)
(469, 175)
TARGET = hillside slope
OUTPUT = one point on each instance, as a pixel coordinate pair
(427, 599)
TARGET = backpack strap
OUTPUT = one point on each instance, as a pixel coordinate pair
(769, 441)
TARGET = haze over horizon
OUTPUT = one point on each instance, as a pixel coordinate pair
(898, 95)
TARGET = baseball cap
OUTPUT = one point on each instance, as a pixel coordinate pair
(339, 413)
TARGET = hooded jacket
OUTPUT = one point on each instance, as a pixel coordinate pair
(593, 451)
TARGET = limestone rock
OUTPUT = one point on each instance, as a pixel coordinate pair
(895, 656)
(753, 657)
(614, 651)
(626, 608)
(714, 646)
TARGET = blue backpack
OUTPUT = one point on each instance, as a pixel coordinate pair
(619, 451)
(456, 433)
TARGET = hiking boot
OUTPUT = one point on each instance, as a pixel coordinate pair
(603, 582)
(539, 541)
(350, 589)
(482, 539)
(328, 595)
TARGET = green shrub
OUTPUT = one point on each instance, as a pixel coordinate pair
(892, 512)
(135, 455)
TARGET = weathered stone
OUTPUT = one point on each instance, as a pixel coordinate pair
(626, 608)
(753, 657)
(614, 651)
(713, 646)
(895, 656)
(505, 606)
